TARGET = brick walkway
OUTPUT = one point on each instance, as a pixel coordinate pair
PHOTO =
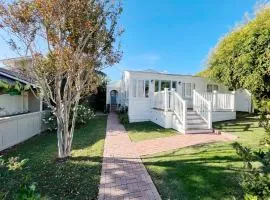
(158, 145)
(123, 174)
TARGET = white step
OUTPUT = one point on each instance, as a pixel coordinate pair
(190, 131)
(195, 121)
(197, 126)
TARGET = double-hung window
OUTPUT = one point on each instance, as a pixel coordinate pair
(212, 87)
(140, 88)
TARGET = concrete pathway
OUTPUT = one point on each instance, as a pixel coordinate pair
(123, 174)
(158, 145)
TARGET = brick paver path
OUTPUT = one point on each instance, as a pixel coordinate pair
(158, 145)
(123, 174)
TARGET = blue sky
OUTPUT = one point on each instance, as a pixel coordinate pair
(173, 36)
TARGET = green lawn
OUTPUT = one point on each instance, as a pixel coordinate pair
(147, 130)
(76, 178)
(205, 171)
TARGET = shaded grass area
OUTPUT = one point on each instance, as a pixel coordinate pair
(76, 178)
(209, 171)
(147, 130)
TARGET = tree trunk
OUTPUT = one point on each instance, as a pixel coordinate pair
(65, 130)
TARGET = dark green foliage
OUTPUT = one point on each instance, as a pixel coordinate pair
(242, 58)
(123, 115)
(12, 89)
(24, 191)
(76, 177)
(84, 114)
(97, 101)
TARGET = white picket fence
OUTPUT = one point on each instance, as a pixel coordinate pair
(16, 129)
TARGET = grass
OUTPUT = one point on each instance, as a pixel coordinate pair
(209, 171)
(76, 178)
(147, 130)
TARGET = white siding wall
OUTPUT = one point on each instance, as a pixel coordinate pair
(243, 101)
(16, 129)
(10, 105)
(140, 108)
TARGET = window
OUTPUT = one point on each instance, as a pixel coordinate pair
(146, 88)
(188, 89)
(174, 85)
(140, 88)
(165, 84)
(212, 87)
(134, 88)
(156, 86)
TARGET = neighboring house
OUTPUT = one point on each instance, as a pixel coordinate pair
(16, 104)
(186, 103)
(20, 114)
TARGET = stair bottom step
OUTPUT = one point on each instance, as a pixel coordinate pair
(190, 131)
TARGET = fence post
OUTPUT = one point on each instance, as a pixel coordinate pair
(166, 103)
(233, 101)
(209, 114)
(193, 100)
(214, 103)
(184, 115)
(172, 99)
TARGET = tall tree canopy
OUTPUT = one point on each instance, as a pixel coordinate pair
(68, 40)
(242, 58)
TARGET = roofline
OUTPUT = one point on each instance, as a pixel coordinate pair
(160, 73)
(16, 59)
(18, 79)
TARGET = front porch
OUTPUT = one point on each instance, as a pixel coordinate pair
(170, 110)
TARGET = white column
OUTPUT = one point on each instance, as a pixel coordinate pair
(233, 101)
(184, 115)
(166, 103)
(172, 98)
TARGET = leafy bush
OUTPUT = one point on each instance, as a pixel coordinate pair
(25, 192)
(256, 180)
(123, 115)
(50, 122)
(84, 114)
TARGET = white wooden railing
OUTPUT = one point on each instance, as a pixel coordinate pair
(159, 100)
(171, 101)
(203, 107)
(221, 101)
(179, 106)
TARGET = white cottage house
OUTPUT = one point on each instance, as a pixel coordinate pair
(186, 103)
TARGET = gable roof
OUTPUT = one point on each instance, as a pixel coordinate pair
(13, 76)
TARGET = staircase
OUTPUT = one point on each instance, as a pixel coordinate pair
(173, 109)
(195, 123)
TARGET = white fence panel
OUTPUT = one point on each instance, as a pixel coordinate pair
(16, 129)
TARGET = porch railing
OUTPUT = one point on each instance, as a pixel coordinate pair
(221, 101)
(203, 107)
(171, 101)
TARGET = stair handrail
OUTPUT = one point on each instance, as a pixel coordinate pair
(202, 107)
(179, 107)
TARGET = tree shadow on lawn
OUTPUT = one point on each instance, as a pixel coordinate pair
(195, 178)
(71, 179)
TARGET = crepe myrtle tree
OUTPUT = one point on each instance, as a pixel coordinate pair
(68, 41)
